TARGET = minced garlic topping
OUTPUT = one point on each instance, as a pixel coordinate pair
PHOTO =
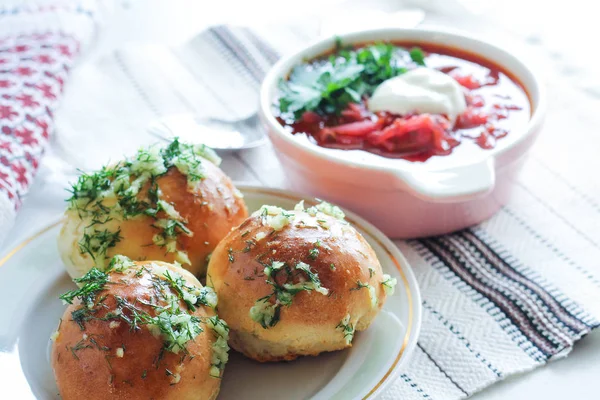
(220, 348)
(260, 236)
(347, 329)
(389, 284)
(277, 218)
(175, 378)
(170, 319)
(266, 312)
(128, 190)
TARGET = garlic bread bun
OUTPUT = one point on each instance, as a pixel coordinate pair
(168, 204)
(297, 282)
(140, 330)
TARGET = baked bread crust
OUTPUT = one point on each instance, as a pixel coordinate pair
(343, 261)
(210, 207)
(107, 358)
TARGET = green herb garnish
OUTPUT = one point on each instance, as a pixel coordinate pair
(128, 190)
(328, 86)
(360, 285)
(171, 320)
(83, 315)
(220, 354)
(347, 329)
(120, 263)
(93, 282)
(267, 310)
(79, 346)
(97, 242)
(389, 284)
(192, 296)
(176, 326)
(417, 55)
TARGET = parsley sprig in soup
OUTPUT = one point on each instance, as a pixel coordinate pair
(401, 100)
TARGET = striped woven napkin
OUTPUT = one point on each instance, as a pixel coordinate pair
(499, 299)
(39, 43)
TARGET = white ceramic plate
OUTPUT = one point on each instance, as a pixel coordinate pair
(32, 277)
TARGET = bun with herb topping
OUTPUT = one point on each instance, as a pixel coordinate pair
(169, 204)
(298, 282)
(140, 330)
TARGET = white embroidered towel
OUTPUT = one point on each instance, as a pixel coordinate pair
(39, 44)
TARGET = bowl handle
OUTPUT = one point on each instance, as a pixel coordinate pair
(454, 184)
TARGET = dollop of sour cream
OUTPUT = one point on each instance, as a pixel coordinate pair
(422, 90)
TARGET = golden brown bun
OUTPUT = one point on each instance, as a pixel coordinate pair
(86, 365)
(308, 325)
(211, 209)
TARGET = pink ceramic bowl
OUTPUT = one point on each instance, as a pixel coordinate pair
(401, 198)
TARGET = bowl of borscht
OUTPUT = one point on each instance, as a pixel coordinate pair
(420, 131)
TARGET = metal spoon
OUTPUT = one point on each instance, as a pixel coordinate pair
(221, 135)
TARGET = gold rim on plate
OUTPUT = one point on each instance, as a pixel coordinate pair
(278, 193)
(27, 241)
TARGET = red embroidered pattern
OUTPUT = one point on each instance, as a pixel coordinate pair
(33, 69)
